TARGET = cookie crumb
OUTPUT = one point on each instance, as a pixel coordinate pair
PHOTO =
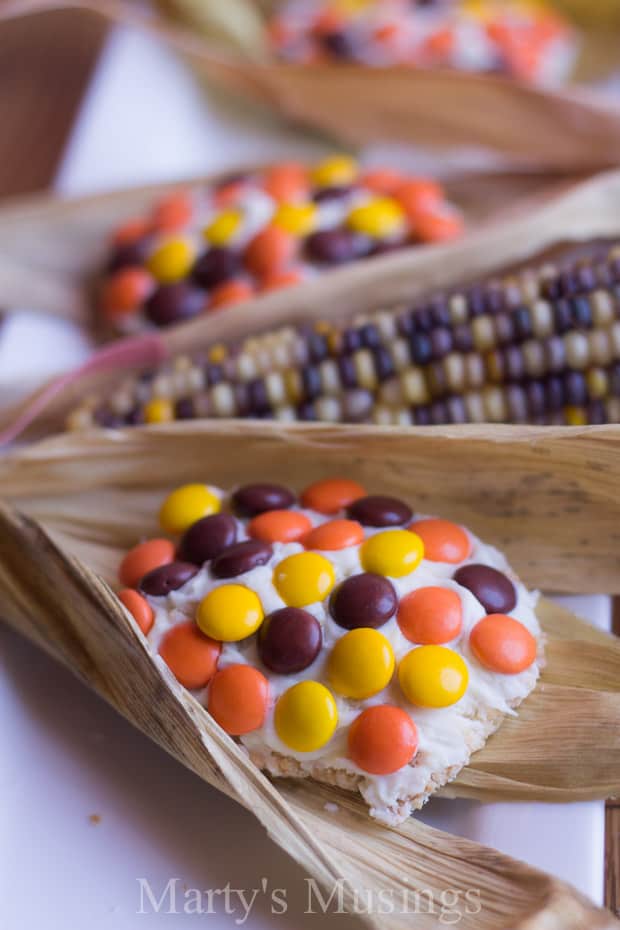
(95, 819)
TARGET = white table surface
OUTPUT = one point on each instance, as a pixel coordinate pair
(67, 757)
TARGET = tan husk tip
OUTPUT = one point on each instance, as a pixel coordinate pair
(95, 496)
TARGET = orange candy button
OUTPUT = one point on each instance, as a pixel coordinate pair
(190, 655)
(124, 291)
(172, 213)
(418, 194)
(279, 526)
(381, 180)
(131, 231)
(144, 558)
(443, 541)
(238, 698)
(430, 616)
(332, 494)
(382, 739)
(138, 607)
(438, 225)
(502, 644)
(333, 535)
(286, 182)
(230, 292)
(269, 251)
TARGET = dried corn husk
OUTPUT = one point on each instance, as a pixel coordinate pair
(557, 129)
(93, 495)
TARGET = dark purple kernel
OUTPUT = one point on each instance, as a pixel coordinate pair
(207, 538)
(317, 346)
(384, 364)
(441, 342)
(365, 600)
(351, 341)
(422, 416)
(106, 418)
(184, 409)
(306, 412)
(522, 322)
(240, 558)
(377, 510)
(213, 373)
(346, 369)
(289, 640)
(554, 393)
(562, 316)
(252, 499)
(258, 397)
(596, 413)
(575, 389)
(493, 589)
(160, 581)
(173, 303)
(463, 338)
(421, 348)
(311, 381)
(242, 399)
(582, 312)
(369, 334)
(535, 395)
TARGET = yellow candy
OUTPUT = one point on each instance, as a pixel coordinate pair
(306, 716)
(433, 676)
(224, 227)
(298, 219)
(361, 663)
(230, 613)
(171, 261)
(304, 579)
(393, 552)
(339, 169)
(378, 218)
(187, 504)
(159, 410)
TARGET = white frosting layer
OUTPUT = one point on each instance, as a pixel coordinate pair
(447, 736)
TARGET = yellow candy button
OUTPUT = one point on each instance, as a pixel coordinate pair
(378, 218)
(172, 260)
(361, 663)
(306, 716)
(393, 552)
(187, 504)
(433, 676)
(298, 219)
(224, 227)
(339, 169)
(230, 613)
(304, 579)
(159, 410)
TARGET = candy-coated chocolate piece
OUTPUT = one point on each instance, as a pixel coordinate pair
(330, 495)
(378, 510)
(279, 526)
(138, 607)
(337, 169)
(186, 505)
(206, 538)
(298, 219)
(304, 578)
(382, 739)
(131, 230)
(286, 182)
(230, 613)
(361, 663)
(131, 255)
(125, 291)
(443, 541)
(216, 266)
(393, 552)
(270, 249)
(252, 499)
(336, 246)
(143, 558)
(417, 194)
(281, 278)
(503, 644)
(172, 260)
(241, 557)
(230, 292)
(433, 676)
(173, 303)
(334, 535)
(439, 225)
(289, 640)
(222, 230)
(238, 699)
(365, 600)
(159, 410)
(172, 212)
(189, 654)
(491, 587)
(431, 615)
(327, 194)
(306, 716)
(161, 581)
(379, 218)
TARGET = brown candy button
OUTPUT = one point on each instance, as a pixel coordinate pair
(252, 499)
(241, 557)
(206, 538)
(160, 581)
(493, 589)
(289, 640)
(376, 510)
(367, 600)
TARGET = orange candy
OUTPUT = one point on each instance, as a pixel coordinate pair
(124, 291)
(279, 279)
(443, 541)
(438, 225)
(502, 644)
(382, 180)
(238, 699)
(230, 292)
(228, 194)
(131, 231)
(430, 616)
(279, 526)
(173, 212)
(144, 558)
(418, 194)
(286, 182)
(138, 607)
(333, 535)
(382, 739)
(190, 655)
(269, 251)
(332, 494)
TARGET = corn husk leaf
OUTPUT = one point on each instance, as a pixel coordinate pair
(570, 130)
(88, 498)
